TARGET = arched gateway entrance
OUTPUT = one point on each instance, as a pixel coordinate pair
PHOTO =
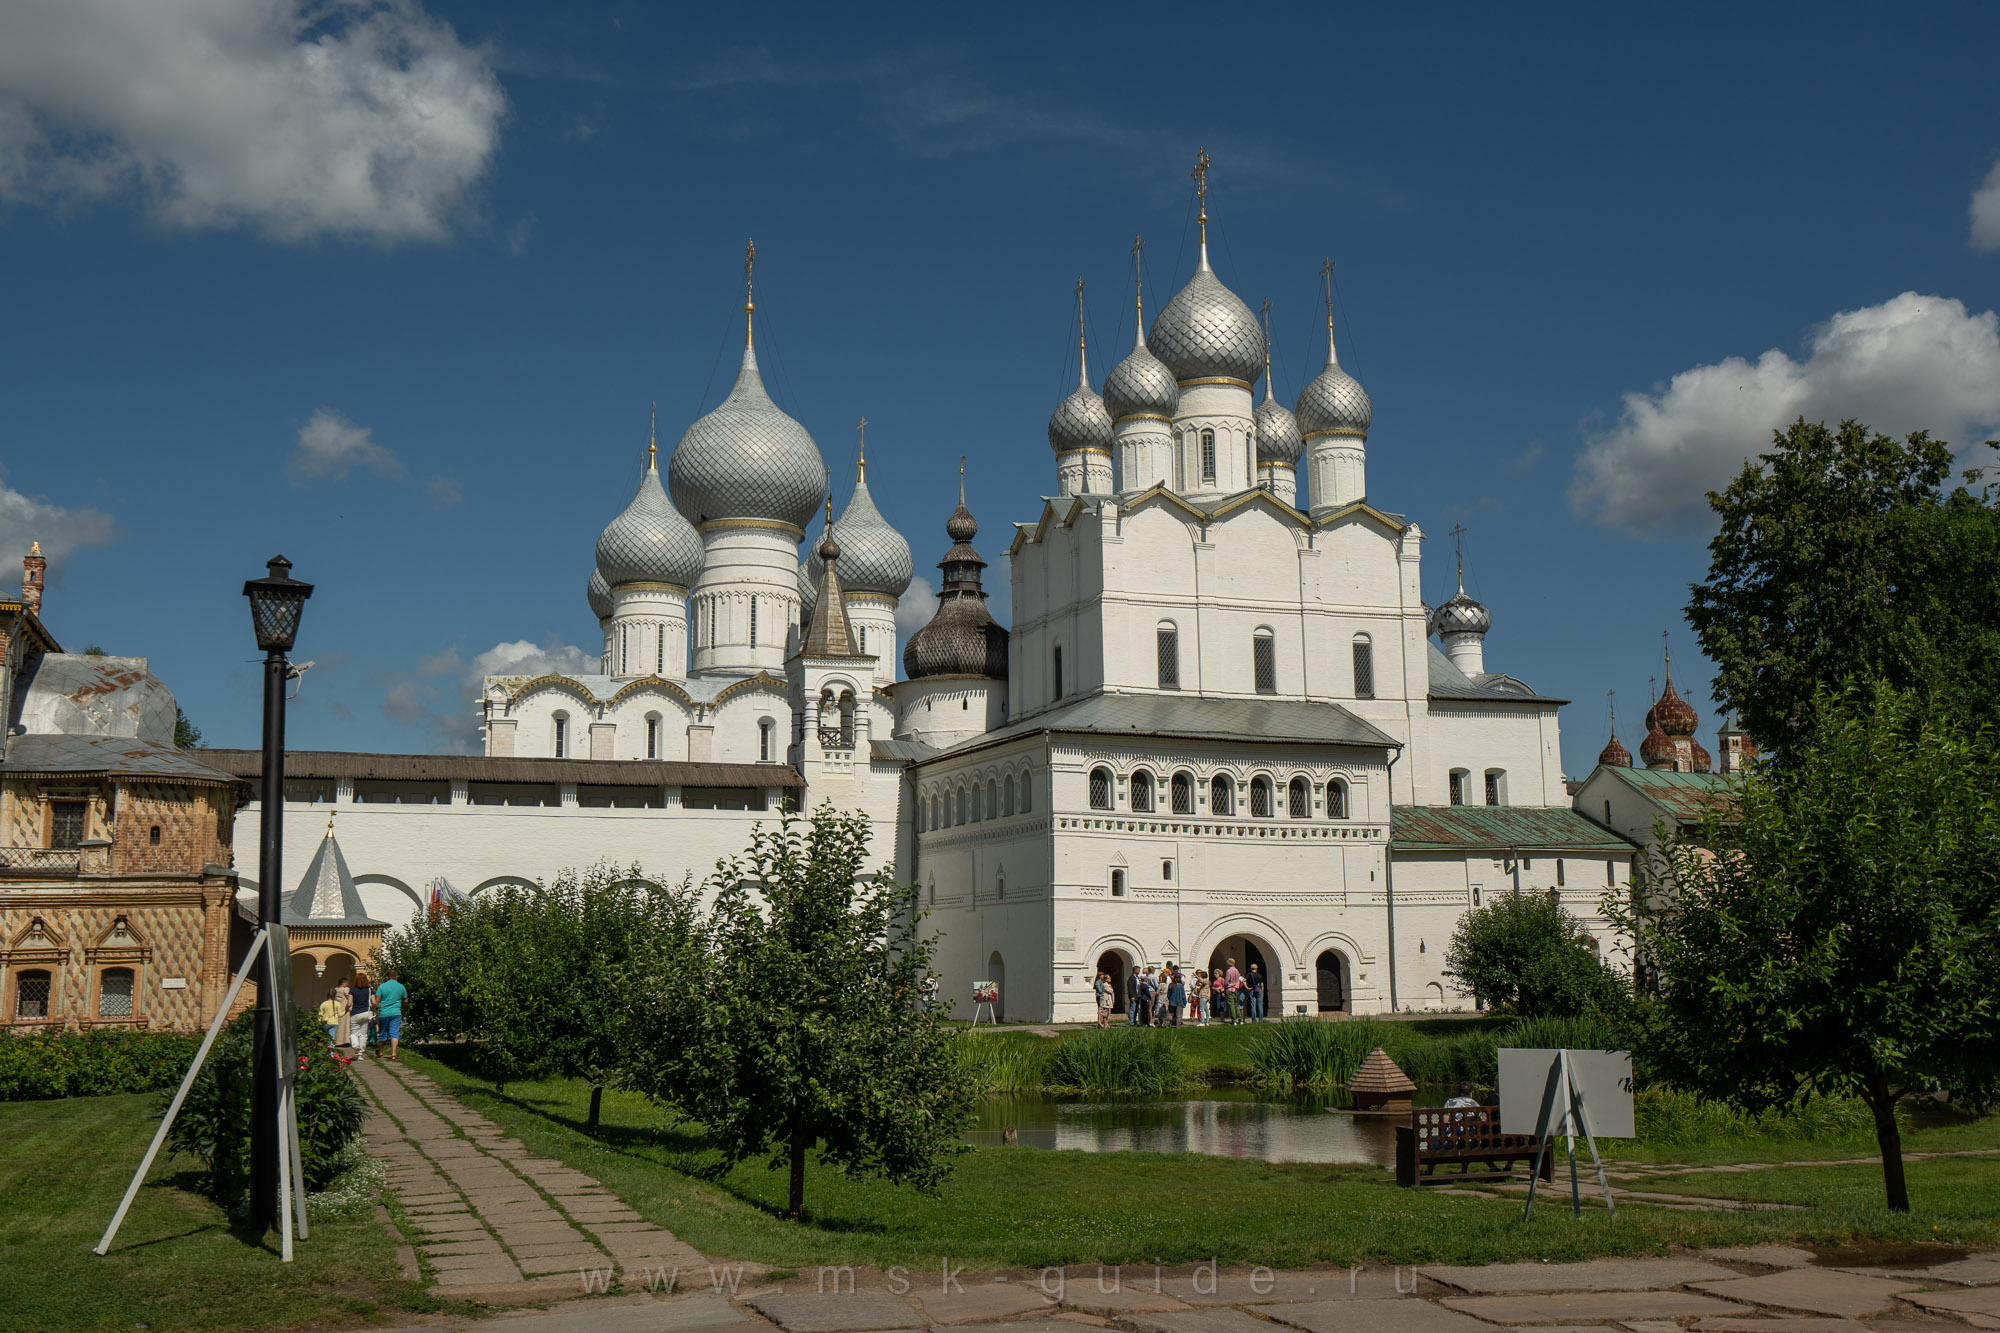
(1332, 977)
(1246, 951)
(1116, 964)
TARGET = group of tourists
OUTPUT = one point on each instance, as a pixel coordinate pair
(353, 1011)
(1159, 997)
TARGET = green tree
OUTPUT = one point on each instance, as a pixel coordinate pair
(187, 736)
(1839, 558)
(1524, 951)
(800, 1032)
(1835, 932)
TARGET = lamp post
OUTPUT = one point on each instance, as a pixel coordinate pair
(276, 602)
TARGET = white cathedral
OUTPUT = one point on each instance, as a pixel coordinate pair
(1218, 728)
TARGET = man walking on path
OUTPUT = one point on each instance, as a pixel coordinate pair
(389, 997)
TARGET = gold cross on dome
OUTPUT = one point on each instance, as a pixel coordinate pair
(1200, 174)
(861, 450)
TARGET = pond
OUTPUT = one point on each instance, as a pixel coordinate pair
(1222, 1122)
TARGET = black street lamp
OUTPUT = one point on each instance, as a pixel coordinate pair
(276, 603)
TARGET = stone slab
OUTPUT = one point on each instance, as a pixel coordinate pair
(1975, 1300)
(1768, 1256)
(835, 1312)
(976, 1302)
(1799, 1323)
(1815, 1291)
(1089, 1297)
(1587, 1307)
(1593, 1275)
(1975, 1270)
(1216, 1320)
(1248, 1286)
(1407, 1315)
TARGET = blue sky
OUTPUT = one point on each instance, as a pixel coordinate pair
(389, 287)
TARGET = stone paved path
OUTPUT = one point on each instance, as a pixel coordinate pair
(1760, 1289)
(492, 1222)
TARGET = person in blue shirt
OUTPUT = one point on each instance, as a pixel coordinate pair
(389, 997)
(1176, 998)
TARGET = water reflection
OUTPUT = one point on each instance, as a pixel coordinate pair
(1221, 1122)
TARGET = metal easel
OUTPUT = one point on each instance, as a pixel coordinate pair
(1563, 1083)
(271, 943)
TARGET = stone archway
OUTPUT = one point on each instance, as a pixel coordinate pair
(1332, 975)
(1116, 964)
(1247, 949)
(996, 972)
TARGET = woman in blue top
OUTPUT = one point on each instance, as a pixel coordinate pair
(1176, 998)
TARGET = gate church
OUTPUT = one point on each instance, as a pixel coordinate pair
(1217, 713)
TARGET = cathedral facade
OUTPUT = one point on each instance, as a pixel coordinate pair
(1224, 724)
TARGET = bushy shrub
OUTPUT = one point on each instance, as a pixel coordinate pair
(1526, 953)
(214, 1123)
(41, 1065)
(993, 1063)
(1669, 1117)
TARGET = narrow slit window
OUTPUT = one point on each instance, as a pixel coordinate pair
(1364, 667)
(1169, 648)
(1058, 673)
(1208, 458)
(1264, 661)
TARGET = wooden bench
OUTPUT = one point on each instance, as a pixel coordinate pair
(1466, 1135)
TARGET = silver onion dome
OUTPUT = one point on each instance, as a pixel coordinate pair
(1141, 386)
(1461, 615)
(650, 542)
(1278, 439)
(873, 556)
(1080, 421)
(748, 459)
(1206, 332)
(598, 594)
(1334, 401)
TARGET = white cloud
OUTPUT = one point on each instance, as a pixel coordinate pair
(1986, 212)
(330, 447)
(915, 607)
(1911, 363)
(366, 119)
(27, 519)
(442, 697)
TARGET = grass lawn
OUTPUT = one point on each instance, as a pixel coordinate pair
(175, 1264)
(1962, 1189)
(1027, 1208)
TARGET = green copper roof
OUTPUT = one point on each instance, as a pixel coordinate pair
(1684, 795)
(1443, 828)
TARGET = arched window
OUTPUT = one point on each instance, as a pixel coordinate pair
(753, 620)
(114, 993)
(847, 719)
(1260, 798)
(1100, 789)
(1183, 793)
(864, 637)
(660, 651)
(992, 799)
(1058, 673)
(1027, 792)
(1118, 884)
(934, 812)
(764, 729)
(1007, 795)
(1208, 458)
(1000, 883)
(961, 807)
(1458, 777)
(1142, 791)
(1496, 786)
(1364, 667)
(562, 735)
(1220, 796)
(1264, 661)
(1298, 799)
(1336, 799)
(978, 813)
(31, 995)
(1168, 640)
